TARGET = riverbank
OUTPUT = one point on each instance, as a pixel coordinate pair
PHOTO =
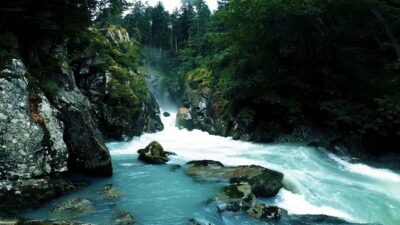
(315, 182)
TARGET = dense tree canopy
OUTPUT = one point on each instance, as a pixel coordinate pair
(333, 63)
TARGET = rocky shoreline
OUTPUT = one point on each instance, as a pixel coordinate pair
(243, 186)
(205, 109)
(57, 126)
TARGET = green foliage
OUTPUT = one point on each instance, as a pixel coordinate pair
(115, 56)
(288, 62)
(34, 20)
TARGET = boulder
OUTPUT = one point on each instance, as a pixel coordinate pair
(167, 114)
(239, 198)
(184, 119)
(122, 218)
(153, 154)
(74, 208)
(108, 191)
(264, 182)
(265, 212)
(236, 198)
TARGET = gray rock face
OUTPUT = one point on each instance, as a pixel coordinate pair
(58, 157)
(32, 147)
(87, 151)
(21, 148)
(31, 140)
(73, 208)
(264, 182)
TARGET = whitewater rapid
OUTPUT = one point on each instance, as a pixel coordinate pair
(316, 182)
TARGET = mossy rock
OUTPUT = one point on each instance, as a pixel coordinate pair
(74, 208)
(266, 212)
(264, 182)
(109, 191)
(153, 154)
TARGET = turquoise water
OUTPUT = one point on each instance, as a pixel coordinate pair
(317, 182)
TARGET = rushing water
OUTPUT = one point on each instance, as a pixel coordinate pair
(316, 182)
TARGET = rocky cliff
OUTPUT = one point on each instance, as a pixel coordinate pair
(54, 120)
(204, 107)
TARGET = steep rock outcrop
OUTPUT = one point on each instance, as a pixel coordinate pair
(39, 141)
(32, 150)
(88, 153)
(121, 101)
(206, 109)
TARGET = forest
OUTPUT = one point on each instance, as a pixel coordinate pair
(332, 64)
(280, 112)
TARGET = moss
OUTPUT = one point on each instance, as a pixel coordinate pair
(199, 78)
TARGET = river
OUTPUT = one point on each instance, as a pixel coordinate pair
(316, 182)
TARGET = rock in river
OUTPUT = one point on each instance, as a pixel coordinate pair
(122, 218)
(184, 119)
(265, 212)
(73, 208)
(109, 191)
(153, 154)
(236, 198)
(264, 182)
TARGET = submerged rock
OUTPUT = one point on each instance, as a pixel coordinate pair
(73, 208)
(108, 191)
(196, 222)
(264, 182)
(175, 167)
(153, 154)
(122, 218)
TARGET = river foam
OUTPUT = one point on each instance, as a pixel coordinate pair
(321, 183)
